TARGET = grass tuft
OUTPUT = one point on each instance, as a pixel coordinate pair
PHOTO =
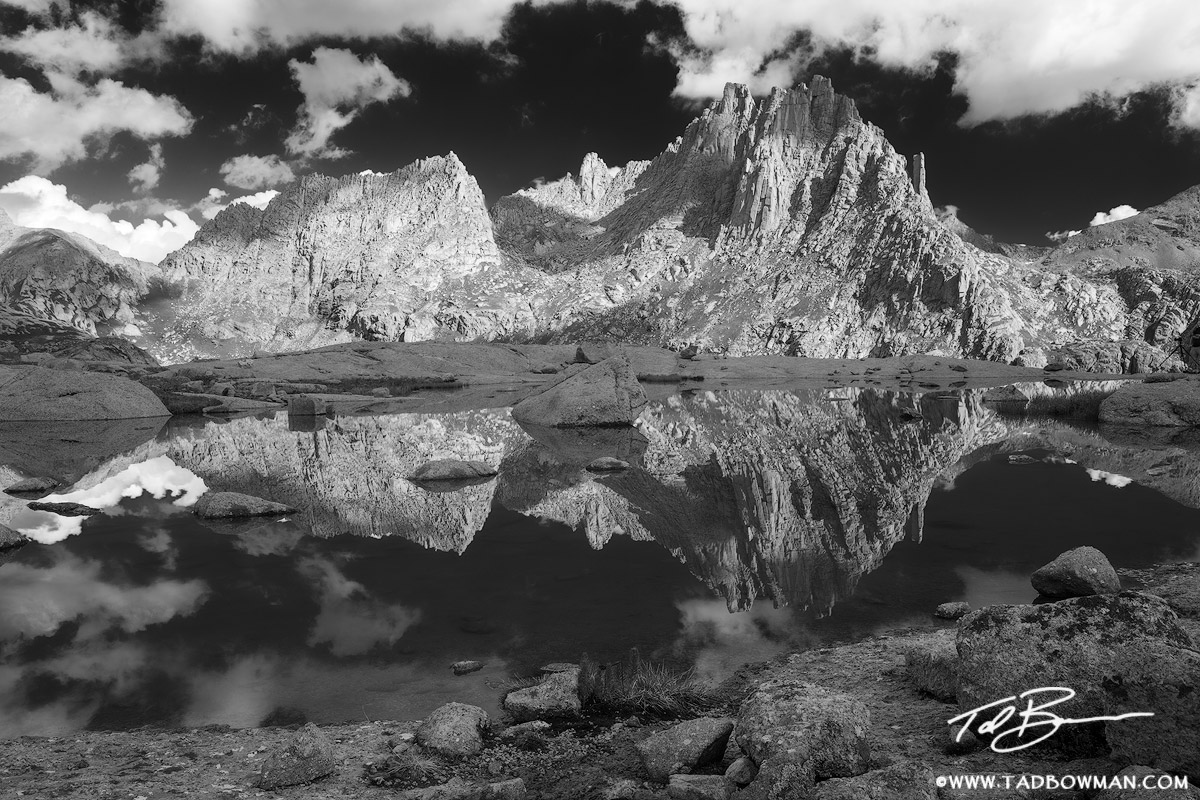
(641, 687)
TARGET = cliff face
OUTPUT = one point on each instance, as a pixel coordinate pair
(64, 277)
(380, 257)
(788, 226)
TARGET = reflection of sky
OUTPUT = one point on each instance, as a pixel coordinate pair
(1111, 478)
(720, 642)
(37, 601)
(352, 622)
(156, 477)
(990, 587)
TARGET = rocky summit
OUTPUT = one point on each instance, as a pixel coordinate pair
(784, 225)
(67, 278)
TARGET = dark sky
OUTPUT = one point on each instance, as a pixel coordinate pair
(527, 94)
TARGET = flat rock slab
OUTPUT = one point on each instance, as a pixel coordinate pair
(699, 787)
(66, 509)
(932, 665)
(904, 781)
(685, 746)
(32, 486)
(603, 395)
(225, 505)
(36, 393)
(449, 469)
(1170, 404)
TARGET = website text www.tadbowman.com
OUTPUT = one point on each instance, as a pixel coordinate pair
(1062, 782)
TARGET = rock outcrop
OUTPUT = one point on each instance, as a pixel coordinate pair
(37, 393)
(604, 395)
(1168, 404)
(1081, 644)
(65, 277)
(405, 256)
(786, 225)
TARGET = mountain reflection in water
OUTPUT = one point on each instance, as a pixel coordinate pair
(751, 522)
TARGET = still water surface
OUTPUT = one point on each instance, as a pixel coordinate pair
(751, 523)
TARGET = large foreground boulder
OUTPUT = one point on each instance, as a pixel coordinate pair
(904, 781)
(1077, 644)
(798, 733)
(36, 393)
(687, 745)
(307, 756)
(1172, 403)
(1076, 573)
(555, 696)
(603, 395)
(1165, 681)
(455, 729)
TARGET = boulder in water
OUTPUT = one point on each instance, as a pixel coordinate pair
(603, 395)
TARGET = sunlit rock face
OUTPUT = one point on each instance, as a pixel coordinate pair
(778, 225)
(68, 278)
(397, 257)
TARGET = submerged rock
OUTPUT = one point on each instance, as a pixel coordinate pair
(452, 470)
(1076, 573)
(603, 395)
(687, 745)
(466, 667)
(66, 509)
(308, 756)
(607, 464)
(954, 610)
(32, 486)
(555, 696)
(455, 729)
(37, 393)
(222, 505)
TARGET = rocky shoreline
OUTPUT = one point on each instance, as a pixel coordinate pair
(864, 721)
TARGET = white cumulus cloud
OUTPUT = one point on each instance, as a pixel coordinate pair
(93, 43)
(144, 176)
(57, 126)
(336, 86)
(214, 202)
(246, 25)
(1112, 215)
(1016, 57)
(256, 172)
(35, 202)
